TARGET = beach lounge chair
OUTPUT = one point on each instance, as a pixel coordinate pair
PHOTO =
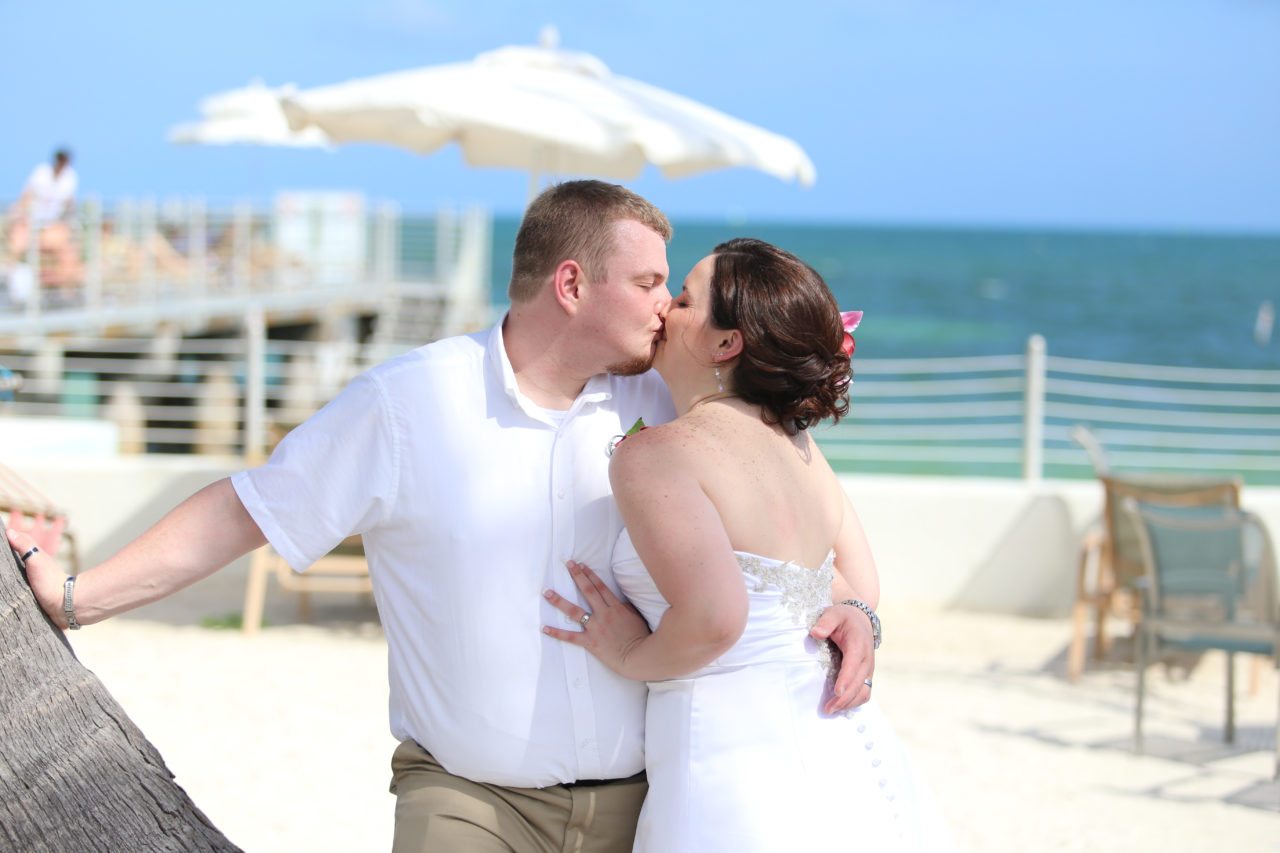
(1110, 560)
(344, 569)
(1209, 578)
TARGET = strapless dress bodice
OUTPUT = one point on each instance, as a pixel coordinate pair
(784, 600)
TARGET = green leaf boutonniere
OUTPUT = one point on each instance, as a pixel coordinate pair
(618, 439)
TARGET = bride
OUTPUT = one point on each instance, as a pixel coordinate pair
(737, 535)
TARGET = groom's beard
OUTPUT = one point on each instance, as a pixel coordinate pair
(634, 367)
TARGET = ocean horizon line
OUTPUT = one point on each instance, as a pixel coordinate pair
(955, 227)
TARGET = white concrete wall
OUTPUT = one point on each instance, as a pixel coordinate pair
(994, 545)
(110, 500)
(976, 544)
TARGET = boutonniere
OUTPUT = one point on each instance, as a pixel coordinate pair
(618, 439)
(850, 321)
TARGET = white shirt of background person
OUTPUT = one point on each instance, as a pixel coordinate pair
(50, 193)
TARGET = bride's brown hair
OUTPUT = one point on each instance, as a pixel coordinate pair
(791, 364)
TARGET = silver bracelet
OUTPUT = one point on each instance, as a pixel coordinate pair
(871, 614)
(68, 605)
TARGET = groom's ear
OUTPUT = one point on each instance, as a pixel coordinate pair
(729, 346)
(566, 284)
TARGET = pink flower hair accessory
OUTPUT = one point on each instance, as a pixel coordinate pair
(850, 321)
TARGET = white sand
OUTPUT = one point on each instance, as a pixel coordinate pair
(282, 738)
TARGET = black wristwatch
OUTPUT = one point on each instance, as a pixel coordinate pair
(871, 614)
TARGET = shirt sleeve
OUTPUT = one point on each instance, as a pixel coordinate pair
(333, 476)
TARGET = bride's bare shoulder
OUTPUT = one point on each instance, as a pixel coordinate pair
(652, 450)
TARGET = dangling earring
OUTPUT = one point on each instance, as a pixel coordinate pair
(719, 381)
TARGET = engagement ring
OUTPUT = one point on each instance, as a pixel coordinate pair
(586, 617)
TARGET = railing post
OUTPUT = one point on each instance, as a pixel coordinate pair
(93, 253)
(385, 223)
(1033, 412)
(446, 244)
(148, 242)
(35, 297)
(241, 247)
(125, 233)
(198, 240)
(255, 390)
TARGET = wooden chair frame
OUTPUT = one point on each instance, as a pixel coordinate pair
(1110, 562)
(20, 498)
(343, 570)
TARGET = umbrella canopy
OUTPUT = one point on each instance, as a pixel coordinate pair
(544, 110)
(249, 115)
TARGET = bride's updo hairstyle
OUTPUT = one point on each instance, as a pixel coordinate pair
(791, 363)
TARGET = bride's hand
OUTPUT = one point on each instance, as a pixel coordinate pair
(611, 628)
(850, 630)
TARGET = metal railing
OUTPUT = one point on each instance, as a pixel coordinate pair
(308, 249)
(1012, 416)
(229, 396)
(1004, 416)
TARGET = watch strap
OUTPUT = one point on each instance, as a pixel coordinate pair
(68, 603)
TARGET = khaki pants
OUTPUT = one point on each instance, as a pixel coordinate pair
(437, 811)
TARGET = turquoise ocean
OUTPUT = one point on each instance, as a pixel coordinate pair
(1177, 299)
(1164, 299)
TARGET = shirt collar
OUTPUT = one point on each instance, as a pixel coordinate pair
(598, 388)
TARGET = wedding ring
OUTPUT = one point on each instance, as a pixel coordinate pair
(866, 681)
(34, 549)
(586, 617)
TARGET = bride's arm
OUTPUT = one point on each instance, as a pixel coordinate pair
(679, 536)
(846, 626)
(856, 575)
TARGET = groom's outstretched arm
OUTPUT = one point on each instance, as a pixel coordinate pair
(201, 535)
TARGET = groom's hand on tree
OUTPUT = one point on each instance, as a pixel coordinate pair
(849, 628)
(43, 572)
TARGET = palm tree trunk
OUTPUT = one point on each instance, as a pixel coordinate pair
(75, 772)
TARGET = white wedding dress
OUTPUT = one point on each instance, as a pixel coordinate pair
(740, 756)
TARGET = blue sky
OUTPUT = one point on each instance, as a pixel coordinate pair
(1141, 114)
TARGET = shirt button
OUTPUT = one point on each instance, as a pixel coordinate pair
(577, 682)
(560, 494)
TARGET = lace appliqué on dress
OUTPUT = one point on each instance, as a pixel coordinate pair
(805, 592)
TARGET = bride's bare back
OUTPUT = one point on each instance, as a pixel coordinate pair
(775, 493)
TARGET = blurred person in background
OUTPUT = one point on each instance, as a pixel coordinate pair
(46, 205)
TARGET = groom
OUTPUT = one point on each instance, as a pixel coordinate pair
(474, 468)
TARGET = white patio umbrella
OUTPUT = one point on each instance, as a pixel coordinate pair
(249, 115)
(544, 110)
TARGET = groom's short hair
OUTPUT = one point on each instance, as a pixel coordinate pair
(574, 221)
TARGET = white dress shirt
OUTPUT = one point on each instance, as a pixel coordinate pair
(49, 192)
(470, 498)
